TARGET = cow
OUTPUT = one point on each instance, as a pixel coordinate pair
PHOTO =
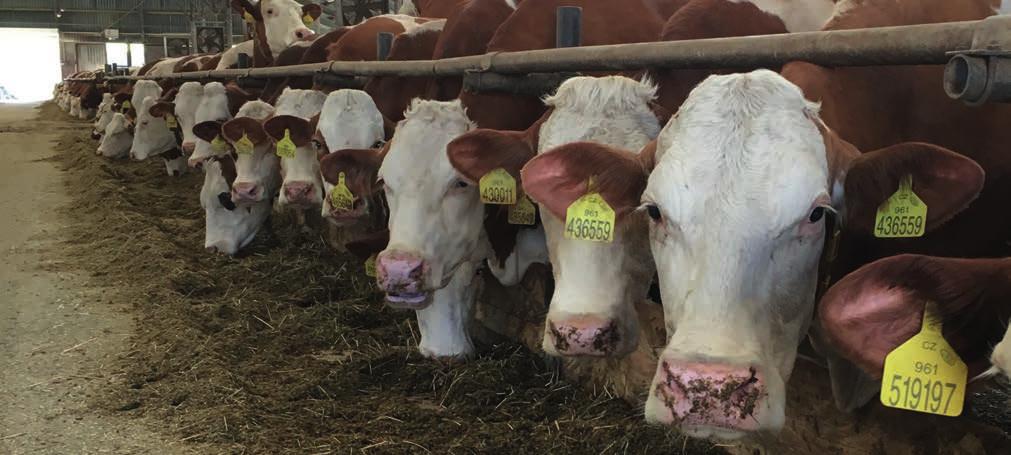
(153, 136)
(229, 226)
(102, 116)
(393, 93)
(291, 132)
(256, 165)
(184, 109)
(278, 25)
(591, 312)
(230, 58)
(117, 138)
(218, 104)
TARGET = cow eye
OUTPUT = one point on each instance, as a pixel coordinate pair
(816, 215)
(317, 145)
(270, 12)
(653, 211)
(460, 184)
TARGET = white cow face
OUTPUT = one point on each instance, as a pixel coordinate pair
(152, 135)
(349, 120)
(301, 183)
(186, 103)
(282, 22)
(228, 228)
(738, 199)
(257, 168)
(213, 107)
(118, 137)
(435, 228)
(104, 116)
(592, 311)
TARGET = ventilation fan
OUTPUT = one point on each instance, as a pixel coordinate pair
(177, 47)
(210, 40)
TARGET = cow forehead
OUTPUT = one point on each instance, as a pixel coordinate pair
(742, 147)
(279, 4)
(213, 104)
(613, 110)
(299, 103)
(418, 150)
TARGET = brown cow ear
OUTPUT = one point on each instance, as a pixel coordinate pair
(873, 310)
(244, 6)
(161, 108)
(313, 10)
(208, 130)
(300, 130)
(946, 182)
(555, 179)
(481, 151)
(236, 128)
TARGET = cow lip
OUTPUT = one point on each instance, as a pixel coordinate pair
(408, 300)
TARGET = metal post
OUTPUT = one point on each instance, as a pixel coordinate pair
(568, 26)
(384, 41)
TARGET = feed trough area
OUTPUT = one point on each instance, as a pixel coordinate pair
(477, 226)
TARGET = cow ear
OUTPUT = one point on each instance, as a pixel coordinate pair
(876, 308)
(946, 182)
(234, 129)
(208, 130)
(481, 151)
(299, 129)
(360, 168)
(557, 178)
(241, 7)
(313, 10)
(161, 108)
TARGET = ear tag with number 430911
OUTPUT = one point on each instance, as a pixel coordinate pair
(341, 196)
(498, 187)
(903, 214)
(370, 266)
(590, 217)
(218, 144)
(523, 212)
(285, 146)
(925, 374)
(170, 121)
(244, 146)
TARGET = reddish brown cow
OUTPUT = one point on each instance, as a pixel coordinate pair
(439, 9)
(392, 94)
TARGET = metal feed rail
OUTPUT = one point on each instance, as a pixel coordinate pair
(978, 54)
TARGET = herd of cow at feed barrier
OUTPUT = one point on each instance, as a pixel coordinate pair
(856, 208)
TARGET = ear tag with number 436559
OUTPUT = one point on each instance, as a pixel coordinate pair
(497, 187)
(903, 214)
(285, 146)
(925, 374)
(218, 144)
(244, 145)
(523, 212)
(340, 195)
(590, 217)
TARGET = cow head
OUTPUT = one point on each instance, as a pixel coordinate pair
(184, 109)
(281, 22)
(745, 177)
(103, 117)
(152, 135)
(118, 137)
(435, 228)
(360, 168)
(228, 228)
(256, 164)
(301, 185)
(218, 104)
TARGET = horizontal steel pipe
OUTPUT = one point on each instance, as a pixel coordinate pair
(535, 84)
(904, 45)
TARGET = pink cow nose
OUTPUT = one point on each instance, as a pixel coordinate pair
(710, 394)
(305, 34)
(585, 335)
(245, 192)
(299, 192)
(195, 163)
(189, 147)
(401, 275)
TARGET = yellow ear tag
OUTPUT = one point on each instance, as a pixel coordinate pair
(244, 145)
(901, 215)
(340, 195)
(925, 374)
(498, 187)
(170, 121)
(307, 19)
(126, 106)
(590, 218)
(523, 212)
(218, 144)
(370, 266)
(248, 17)
(285, 147)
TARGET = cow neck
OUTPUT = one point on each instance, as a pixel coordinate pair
(262, 56)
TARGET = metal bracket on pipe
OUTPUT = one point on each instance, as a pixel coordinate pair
(983, 73)
(534, 84)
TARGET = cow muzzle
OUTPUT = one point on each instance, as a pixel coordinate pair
(300, 193)
(401, 275)
(246, 192)
(584, 335)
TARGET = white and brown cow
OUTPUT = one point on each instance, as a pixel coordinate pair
(278, 25)
(153, 137)
(184, 108)
(301, 186)
(218, 104)
(103, 116)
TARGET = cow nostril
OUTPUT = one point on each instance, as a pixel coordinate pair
(299, 35)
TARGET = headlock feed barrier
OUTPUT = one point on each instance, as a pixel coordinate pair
(977, 54)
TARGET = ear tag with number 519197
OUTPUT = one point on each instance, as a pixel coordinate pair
(925, 374)
(590, 217)
(903, 214)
